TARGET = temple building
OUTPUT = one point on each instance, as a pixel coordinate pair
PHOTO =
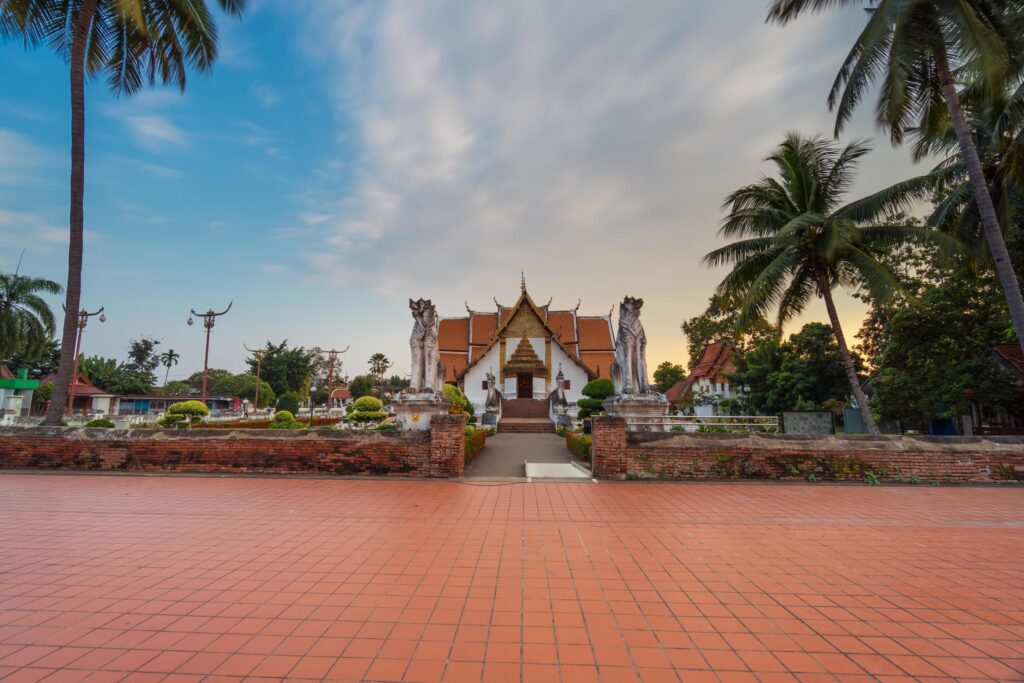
(525, 346)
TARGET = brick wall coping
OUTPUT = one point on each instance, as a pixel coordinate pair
(106, 434)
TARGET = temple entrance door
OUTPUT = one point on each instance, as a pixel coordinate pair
(524, 385)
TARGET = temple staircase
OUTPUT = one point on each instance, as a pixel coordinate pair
(524, 416)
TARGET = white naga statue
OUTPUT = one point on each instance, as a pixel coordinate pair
(629, 371)
(427, 368)
(493, 402)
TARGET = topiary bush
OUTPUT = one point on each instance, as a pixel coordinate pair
(100, 422)
(288, 401)
(368, 411)
(284, 419)
(184, 414)
(596, 391)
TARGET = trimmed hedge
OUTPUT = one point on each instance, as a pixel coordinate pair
(580, 445)
(263, 424)
(476, 440)
(368, 404)
(100, 422)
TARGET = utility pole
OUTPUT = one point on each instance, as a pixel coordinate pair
(332, 358)
(208, 319)
(259, 354)
(83, 320)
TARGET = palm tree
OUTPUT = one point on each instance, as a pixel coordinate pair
(26, 321)
(801, 243)
(916, 49)
(131, 42)
(379, 364)
(167, 359)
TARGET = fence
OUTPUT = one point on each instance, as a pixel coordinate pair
(694, 423)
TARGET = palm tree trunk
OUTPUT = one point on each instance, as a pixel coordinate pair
(844, 353)
(979, 186)
(167, 374)
(72, 300)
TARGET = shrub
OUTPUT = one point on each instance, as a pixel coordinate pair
(579, 445)
(100, 422)
(386, 427)
(476, 440)
(283, 419)
(288, 401)
(368, 404)
(460, 404)
(369, 416)
(596, 391)
(184, 414)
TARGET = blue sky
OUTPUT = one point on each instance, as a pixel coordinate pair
(343, 157)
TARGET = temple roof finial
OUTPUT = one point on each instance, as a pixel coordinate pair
(522, 281)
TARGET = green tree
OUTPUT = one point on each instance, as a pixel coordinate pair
(26, 321)
(914, 51)
(168, 359)
(595, 391)
(667, 374)
(40, 362)
(213, 375)
(718, 323)
(801, 243)
(379, 364)
(143, 358)
(176, 388)
(361, 385)
(131, 42)
(243, 386)
(806, 370)
(286, 369)
(117, 378)
(289, 401)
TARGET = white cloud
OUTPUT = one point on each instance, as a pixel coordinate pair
(587, 142)
(20, 158)
(265, 95)
(144, 118)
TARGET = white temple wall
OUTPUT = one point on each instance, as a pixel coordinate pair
(474, 380)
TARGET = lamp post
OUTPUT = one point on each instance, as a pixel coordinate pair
(332, 357)
(208, 319)
(259, 354)
(83, 320)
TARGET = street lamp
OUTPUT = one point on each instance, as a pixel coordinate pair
(83, 320)
(208, 319)
(259, 354)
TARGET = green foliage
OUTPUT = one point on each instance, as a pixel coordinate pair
(379, 364)
(284, 419)
(100, 422)
(43, 394)
(243, 386)
(361, 385)
(387, 427)
(40, 362)
(175, 388)
(599, 389)
(213, 375)
(142, 355)
(589, 407)
(807, 370)
(286, 369)
(718, 323)
(368, 416)
(365, 404)
(114, 377)
(460, 404)
(288, 402)
(184, 414)
(936, 356)
(26, 321)
(667, 375)
(870, 478)
(475, 441)
(580, 445)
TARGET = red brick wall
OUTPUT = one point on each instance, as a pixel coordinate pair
(621, 455)
(435, 453)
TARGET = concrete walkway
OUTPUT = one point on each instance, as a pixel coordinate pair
(506, 454)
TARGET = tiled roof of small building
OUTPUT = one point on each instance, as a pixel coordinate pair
(716, 360)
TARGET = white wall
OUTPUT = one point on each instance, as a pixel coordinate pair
(477, 375)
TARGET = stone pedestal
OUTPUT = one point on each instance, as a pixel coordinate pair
(489, 420)
(629, 406)
(414, 410)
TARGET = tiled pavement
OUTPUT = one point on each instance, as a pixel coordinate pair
(107, 578)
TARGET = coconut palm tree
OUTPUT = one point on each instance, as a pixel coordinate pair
(26, 321)
(131, 42)
(379, 364)
(167, 359)
(800, 242)
(915, 50)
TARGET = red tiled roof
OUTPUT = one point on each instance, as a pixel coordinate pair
(599, 362)
(483, 325)
(563, 323)
(453, 363)
(453, 334)
(595, 334)
(715, 361)
(341, 393)
(5, 372)
(1012, 354)
(83, 387)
